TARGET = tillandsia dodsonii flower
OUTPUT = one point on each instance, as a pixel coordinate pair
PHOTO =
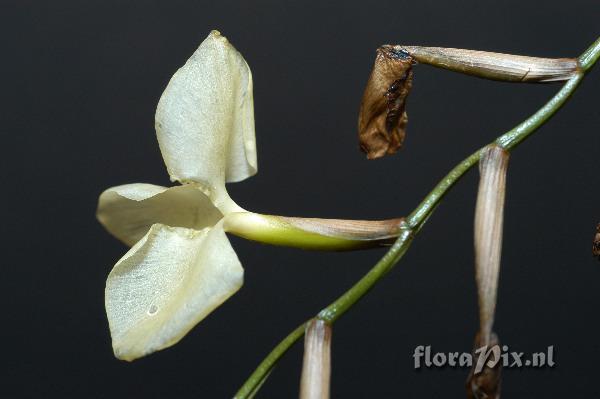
(181, 265)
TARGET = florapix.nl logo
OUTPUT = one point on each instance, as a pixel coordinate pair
(485, 356)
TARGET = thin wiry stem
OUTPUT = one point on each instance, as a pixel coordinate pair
(249, 389)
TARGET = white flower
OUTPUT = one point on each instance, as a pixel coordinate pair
(182, 265)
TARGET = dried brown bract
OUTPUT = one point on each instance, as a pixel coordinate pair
(596, 244)
(316, 367)
(382, 119)
(496, 66)
(489, 217)
(489, 214)
(486, 383)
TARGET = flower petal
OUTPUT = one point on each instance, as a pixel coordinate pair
(128, 211)
(167, 283)
(205, 117)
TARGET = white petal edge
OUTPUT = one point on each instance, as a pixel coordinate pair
(167, 283)
(205, 117)
(128, 211)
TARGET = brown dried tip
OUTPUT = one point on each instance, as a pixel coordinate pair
(485, 383)
(382, 118)
(596, 245)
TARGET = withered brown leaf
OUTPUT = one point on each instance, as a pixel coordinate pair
(596, 244)
(382, 118)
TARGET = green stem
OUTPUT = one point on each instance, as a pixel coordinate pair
(332, 312)
(508, 141)
(419, 216)
(590, 56)
(264, 368)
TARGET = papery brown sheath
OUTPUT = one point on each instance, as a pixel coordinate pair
(382, 118)
(316, 365)
(495, 66)
(489, 215)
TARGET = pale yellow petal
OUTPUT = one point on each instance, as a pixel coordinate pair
(167, 283)
(205, 117)
(128, 211)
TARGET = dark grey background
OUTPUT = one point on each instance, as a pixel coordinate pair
(80, 82)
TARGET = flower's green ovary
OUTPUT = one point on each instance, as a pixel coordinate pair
(276, 231)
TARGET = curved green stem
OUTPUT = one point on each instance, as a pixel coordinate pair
(413, 223)
(590, 56)
(332, 312)
(264, 368)
(508, 141)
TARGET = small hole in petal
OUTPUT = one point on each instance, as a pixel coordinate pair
(153, 309)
